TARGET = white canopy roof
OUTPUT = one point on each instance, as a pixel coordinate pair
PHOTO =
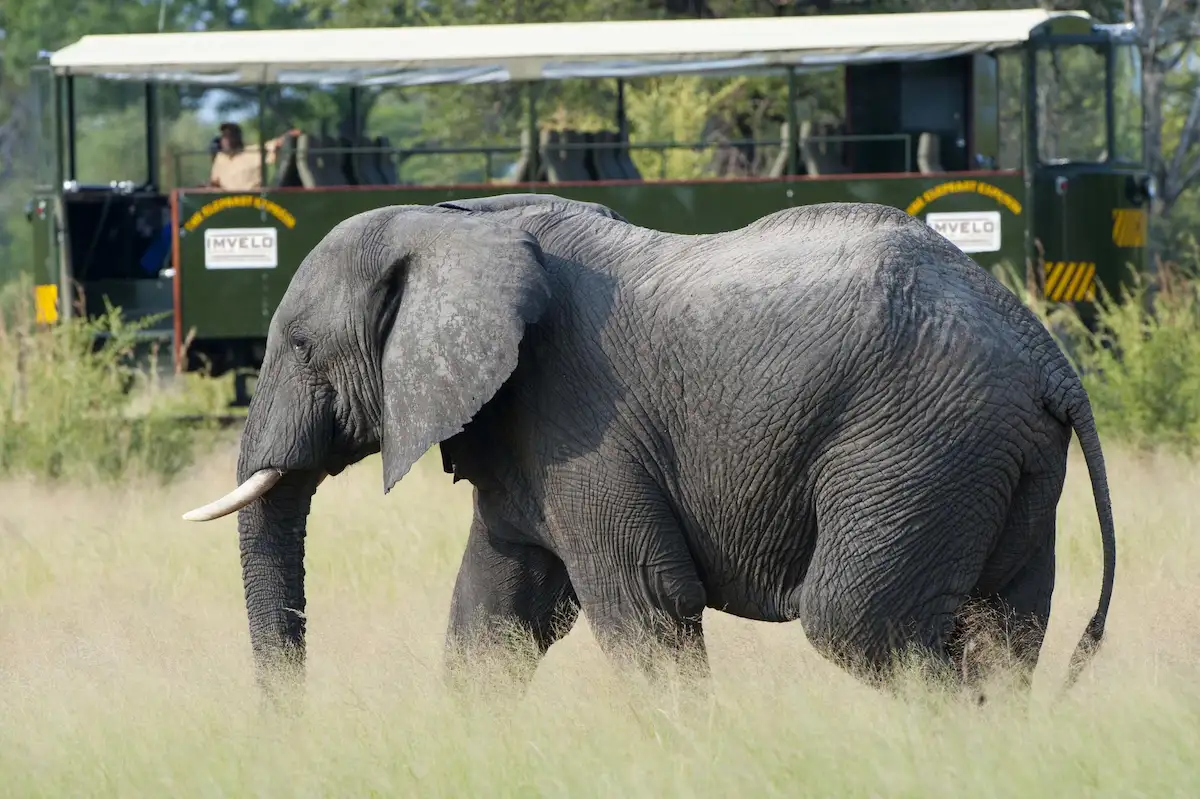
(542, 51)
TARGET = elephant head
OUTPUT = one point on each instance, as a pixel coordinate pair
(394, 332)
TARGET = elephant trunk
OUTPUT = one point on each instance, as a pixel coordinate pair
(271, 535)
(278, 471)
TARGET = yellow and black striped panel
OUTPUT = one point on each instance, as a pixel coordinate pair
(1129, 227)
(1070, 281)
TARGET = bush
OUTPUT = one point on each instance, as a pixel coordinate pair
(1143, 362)
(1140, 362)
(70, 409)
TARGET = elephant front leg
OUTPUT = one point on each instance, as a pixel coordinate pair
(637, 581)
(637, 624)
(511, 602)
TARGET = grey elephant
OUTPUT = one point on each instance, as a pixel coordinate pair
(831, 415)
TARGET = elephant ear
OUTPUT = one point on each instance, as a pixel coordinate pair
(467, 289)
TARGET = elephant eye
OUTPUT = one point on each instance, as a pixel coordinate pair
(300, 345)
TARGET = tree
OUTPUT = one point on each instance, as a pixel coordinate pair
(1166, 39)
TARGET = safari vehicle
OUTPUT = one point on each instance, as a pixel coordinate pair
(1017, 134)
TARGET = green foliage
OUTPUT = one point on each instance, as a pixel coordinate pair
(672, 109)
(1070, 100)
(1139, 360)
(1143, 362)
(16, 243)
(69, 409)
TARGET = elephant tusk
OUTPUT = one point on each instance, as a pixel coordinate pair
(258, 484)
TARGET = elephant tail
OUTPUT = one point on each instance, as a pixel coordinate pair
(1079, 411)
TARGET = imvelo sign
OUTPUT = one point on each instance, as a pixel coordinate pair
(241, 248)
(970, 231)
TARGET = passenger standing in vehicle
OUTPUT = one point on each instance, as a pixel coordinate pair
(236, 167)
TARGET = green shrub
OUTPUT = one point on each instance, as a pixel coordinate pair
(70, 409)
(1140, 362)
(1143, 362)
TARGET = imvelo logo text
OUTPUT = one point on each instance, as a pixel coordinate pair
(970, 231)
(241, 248)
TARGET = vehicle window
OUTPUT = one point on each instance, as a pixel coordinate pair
(1070, 104)
(1127, 104)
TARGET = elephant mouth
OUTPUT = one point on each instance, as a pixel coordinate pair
(342, 458)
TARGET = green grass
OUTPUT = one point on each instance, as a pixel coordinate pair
(125, 669)
(1143, 367)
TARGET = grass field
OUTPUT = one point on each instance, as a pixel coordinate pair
(125, 669)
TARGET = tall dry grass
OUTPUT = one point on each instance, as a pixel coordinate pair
(125, 668)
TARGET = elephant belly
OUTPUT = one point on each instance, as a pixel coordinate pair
(749, 511)
(755, 569)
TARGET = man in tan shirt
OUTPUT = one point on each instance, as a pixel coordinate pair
(236, 167)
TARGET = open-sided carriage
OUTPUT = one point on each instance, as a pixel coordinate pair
(1017, 134)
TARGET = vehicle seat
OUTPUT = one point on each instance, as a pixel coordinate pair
(365, 163)
(284, 173)
(629, 169)
(331, 162)
(605, 165)
(929, 157)
(563, 164)
(779, 166)
(820, 158)
(344, 158)
(523, 171)
(387, 163)
(317, 167)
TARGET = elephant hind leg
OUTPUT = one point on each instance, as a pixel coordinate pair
(1006, 629)
(1007, 619)
(1025, 605)
(887, 579)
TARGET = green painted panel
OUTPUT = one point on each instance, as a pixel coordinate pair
(136, 299)
(224, 303)
(1090, 220)
(45, 269)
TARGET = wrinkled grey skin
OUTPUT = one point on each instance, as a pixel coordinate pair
(829, 415)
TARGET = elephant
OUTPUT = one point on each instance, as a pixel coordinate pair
(831, 415)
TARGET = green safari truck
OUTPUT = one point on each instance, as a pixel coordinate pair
(1016, 134)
